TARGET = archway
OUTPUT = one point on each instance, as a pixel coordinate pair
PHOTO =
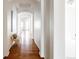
(25, 27)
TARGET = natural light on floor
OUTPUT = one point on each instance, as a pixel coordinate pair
(25, 27)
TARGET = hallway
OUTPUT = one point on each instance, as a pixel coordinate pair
(22, 52)
(26, 19)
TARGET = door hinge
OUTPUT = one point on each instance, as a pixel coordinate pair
(75, 35)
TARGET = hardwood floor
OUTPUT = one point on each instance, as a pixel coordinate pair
(22, 52)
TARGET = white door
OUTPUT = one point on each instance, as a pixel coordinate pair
(70, 30)
(77, 29)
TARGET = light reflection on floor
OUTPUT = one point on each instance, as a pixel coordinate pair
(25, 41)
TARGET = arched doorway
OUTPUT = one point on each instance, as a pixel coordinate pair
(25, 27)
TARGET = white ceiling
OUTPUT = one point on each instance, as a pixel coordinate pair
(24, 1)
(24, 4)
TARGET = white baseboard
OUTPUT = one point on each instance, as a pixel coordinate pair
(70, 57)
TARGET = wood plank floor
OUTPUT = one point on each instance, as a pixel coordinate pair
(22, 52)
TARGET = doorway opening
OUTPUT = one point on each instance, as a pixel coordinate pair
(25, 27)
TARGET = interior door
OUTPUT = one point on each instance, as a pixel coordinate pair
(77, 29)
(70, 30)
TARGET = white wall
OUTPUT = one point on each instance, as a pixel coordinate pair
(5, 43)
(47, 29)
(51, 28)
(37, 25)
(6, 28)
(42, 26)
(59, 29)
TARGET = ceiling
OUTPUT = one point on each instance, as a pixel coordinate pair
(24, 4)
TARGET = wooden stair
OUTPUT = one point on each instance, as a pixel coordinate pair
(17, 53)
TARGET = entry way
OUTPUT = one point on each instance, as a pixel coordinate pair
(25, 27)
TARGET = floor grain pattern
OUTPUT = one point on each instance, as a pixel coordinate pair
(16, 52)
